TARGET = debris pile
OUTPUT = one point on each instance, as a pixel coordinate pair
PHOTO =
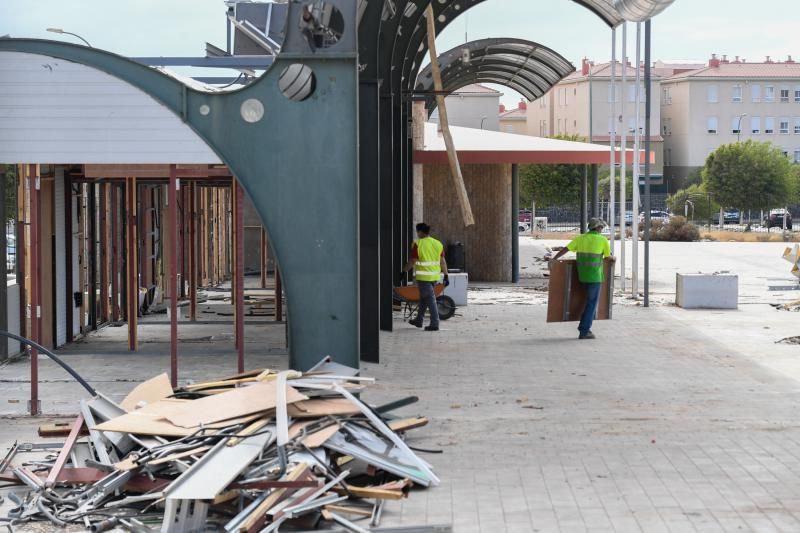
(256, 451)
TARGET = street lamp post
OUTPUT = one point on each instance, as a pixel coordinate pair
(59, 30)
(739, 128)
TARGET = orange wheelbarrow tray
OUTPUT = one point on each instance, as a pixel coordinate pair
(408, 297)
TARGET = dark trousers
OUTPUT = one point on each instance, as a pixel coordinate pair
(427, 301)
(592, 299)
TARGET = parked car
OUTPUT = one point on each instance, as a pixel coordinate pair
(525, 215)
(629, 218)
(656, 214)
(729, 216)
(775, 219)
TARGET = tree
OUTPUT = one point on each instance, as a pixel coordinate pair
(748, 175)
(551, 185)
(702, 206)
(605, 183)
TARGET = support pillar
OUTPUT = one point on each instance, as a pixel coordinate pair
(192, 207)
(4, 263)
(34, 182)
(278, 295)
(369, 220)
(172, 199)
(595, 191)
(238, 272)
(132, 262)
(105, 247)
(264, 258)
(115, 253)
(584, 198)
(515, 223)
(386, 191)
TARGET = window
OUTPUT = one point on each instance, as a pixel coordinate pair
(667, 126)
(797, 126)
(736, 125)
(559, 127)
(755, 92)
(737, 93)
(712, 94)
(713, 124)
(797, 94)
(784, 126)
(667, 95)
(769, 93)
(769, 125)
(755, 125)
(784, 94)
(797, 156)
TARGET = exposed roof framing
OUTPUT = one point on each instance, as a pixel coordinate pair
(527, 67)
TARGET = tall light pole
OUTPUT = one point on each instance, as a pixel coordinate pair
(59, 30)
(739, 128)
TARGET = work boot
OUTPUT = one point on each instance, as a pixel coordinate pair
(415, 323)
(587, 335)
(432, 328)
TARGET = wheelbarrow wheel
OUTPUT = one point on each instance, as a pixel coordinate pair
(447, 307)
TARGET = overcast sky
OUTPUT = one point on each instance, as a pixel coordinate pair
(689, 29)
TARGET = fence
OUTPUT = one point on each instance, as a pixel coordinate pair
(566, 218)
(11, 249)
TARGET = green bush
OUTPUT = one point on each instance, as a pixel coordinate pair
(678, 229)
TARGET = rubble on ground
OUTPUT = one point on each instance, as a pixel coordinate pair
(257, 451)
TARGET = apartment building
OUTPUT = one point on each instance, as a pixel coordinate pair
(565, 109)
(514, 120)
(726, 101)
(473, 106)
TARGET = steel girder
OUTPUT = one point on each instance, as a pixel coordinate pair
(527, 67)
(293, 159)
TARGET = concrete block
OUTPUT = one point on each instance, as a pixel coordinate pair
(457, 290)
(707, 291)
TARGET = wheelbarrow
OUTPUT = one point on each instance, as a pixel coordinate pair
(408, 297)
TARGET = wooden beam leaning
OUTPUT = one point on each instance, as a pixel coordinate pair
(132, 270)
(452, 155)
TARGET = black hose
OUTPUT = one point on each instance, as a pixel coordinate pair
(52, 356)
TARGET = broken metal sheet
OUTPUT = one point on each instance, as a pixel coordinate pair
(96, 437)
(184, 516)
(333, 368)
(209, 476)
(362, 444)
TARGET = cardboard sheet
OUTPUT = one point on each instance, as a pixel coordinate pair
(152, 390)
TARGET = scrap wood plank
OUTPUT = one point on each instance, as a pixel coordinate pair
(59, 429)
(400, 425)
(318, 408)
(63, 455)
(238, 402)
(152, 390)
(349, 510)
(258, 516)
(85, 475)
(152, 424)
(371, 492)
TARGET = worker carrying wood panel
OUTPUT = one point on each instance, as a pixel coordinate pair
(581, 286)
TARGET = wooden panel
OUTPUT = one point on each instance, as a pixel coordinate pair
(46, 258)
(56, 110)
(566, 292)
(487, 243)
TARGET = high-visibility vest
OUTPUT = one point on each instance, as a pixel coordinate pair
(590, 249)
(428, 265)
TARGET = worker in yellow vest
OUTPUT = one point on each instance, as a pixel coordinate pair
(591, 249)
(427, 260)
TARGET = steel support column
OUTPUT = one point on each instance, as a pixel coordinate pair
(369, 218)
(193, 267)
(515, 223)
(35, 228)
(386, 191)
(595, 191)
(647, 117)
(131, 263)
(172, 199)
(584, 197)
(4, 263)
(238, 274)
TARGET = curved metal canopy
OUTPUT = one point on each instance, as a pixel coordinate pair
(527, 67)
(604, 9)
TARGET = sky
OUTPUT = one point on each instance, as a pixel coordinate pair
(689, 29)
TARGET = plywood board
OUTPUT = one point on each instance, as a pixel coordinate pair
(150, 391)
(238, 402)
(566, 298)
